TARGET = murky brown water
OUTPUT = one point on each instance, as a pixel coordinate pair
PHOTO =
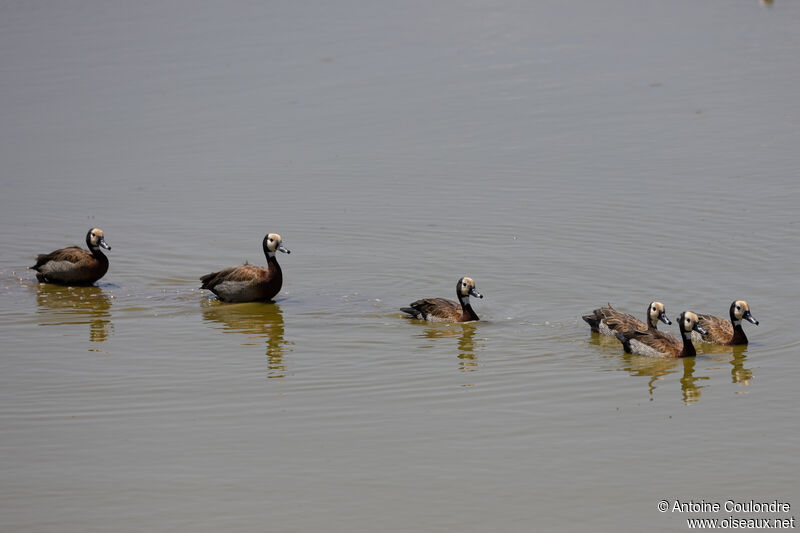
(562, 155)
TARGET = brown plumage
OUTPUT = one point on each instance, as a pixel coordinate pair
(726, 332)
(249, 283)
(444, 310)
(609, 321)
(74, 265)
(654, 343)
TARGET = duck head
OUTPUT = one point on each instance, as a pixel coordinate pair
(656, 312)
(689, 322)
(273, 243)
(466, 288)
(740, 310)
(94, 238)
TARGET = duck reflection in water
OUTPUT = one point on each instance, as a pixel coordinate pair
(465, 331)
(657, 368)
(689, 386)
(60, 304)
(255, 320)
(740, 374)
(736, 356)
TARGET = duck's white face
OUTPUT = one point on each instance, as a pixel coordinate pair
(740, 307)
(690, 321)
(740, 310)
(96, 238)
(466, 287)
(274, 244)
(656, 313)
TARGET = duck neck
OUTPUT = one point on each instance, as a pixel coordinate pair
(688, 348)
(738, 333)
(272, 261)
(96, 252)
(273, 268)
(466, 309)
(652, 322)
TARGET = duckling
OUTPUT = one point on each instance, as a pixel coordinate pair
(721, 331)
(249, 283)
(654, 343)
(74, 265)
(444, 310)
(609, 321)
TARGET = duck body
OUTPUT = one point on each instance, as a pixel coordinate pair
(249, 283)
(444, 310)
(245, 283)
(654, 343)
(74, 265)
(440, 310)
(726, 332)
(608, 321)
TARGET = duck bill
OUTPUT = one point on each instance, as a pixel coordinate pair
(750, 318)
(103, 244)
(284, 249)
(700, 329)
(662, 316)
(475, 293)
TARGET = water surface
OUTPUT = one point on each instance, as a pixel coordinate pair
(562, 155)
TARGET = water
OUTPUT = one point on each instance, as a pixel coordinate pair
(562, 155)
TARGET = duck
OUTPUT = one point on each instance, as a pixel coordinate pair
(726, 332)
(608, 321)
(73, 265)
(654, 343)
(444, 310)
(249, 283)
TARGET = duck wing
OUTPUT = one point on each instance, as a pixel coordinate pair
(436, 307)
(615, 320)
(621, 321)
(71, 254)
(244, 272)
(657, 340)
(719, 329)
